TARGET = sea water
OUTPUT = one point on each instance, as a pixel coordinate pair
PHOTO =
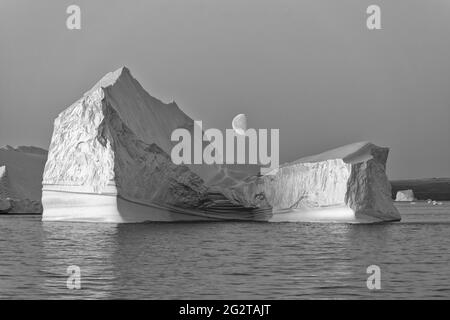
(228, 259)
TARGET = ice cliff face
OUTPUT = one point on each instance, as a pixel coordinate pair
(115, 141)
(20, 179)
(77, 153)
(92, 145)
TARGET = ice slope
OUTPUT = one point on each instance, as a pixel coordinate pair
(150, 119)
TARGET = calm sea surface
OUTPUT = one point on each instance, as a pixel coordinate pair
(228, 260)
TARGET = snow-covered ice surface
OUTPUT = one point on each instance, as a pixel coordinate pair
(109, 162)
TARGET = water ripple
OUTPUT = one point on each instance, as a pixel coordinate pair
(227, 260)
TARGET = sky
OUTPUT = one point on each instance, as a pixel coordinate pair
(309, 68)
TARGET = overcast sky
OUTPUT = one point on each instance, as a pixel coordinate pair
(310, 68)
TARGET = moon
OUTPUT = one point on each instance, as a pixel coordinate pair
(239, 124)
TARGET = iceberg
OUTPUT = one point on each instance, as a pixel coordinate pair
(405, 195)
(346, 184)
(21, 171)
(109, 161)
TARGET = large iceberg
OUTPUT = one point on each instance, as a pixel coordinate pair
(109, 162)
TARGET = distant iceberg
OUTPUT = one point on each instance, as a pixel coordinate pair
(21, 179)
(405, 195)
(109, 162)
